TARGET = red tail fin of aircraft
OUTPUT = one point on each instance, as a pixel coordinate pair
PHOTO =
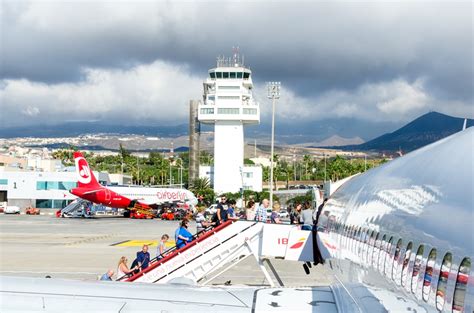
(85, 177)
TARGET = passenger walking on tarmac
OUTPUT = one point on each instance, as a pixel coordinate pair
(162, 246)
(201, 222)
(261, 213)
(275, 217)
(143, 258)
(250, 212)
(122, 268)
(306, 217)
(184, 236)
(107, 276)
(221, 213)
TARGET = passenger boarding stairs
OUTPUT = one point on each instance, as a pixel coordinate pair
(75, 208)
(226, 245)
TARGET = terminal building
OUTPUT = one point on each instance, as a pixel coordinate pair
(228, 104)
(23, 185)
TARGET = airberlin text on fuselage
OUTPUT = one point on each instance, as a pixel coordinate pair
(171, 195)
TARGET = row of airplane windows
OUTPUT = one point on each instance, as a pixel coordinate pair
(380, 252)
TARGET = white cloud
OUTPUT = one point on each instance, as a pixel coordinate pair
(396, 100)
(156, 91)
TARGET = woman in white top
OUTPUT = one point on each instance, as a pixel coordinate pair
(122, 268)
(250, 211)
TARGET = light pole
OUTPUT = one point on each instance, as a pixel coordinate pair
(180, 171)
(273, 93)
(324, 167)
(242, 189)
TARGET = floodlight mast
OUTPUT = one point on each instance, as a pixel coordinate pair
(273, 93)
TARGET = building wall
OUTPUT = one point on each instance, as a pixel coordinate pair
(252, 177)
(228, 156)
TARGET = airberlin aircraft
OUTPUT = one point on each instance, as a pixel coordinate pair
(123, 197)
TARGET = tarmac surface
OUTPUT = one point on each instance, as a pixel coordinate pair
(82, 249)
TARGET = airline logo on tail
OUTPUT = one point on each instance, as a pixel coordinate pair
(82, 170)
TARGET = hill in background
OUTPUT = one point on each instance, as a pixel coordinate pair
(422, 131)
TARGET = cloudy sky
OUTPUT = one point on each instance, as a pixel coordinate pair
(135, 61)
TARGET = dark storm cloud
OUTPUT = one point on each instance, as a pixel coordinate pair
(313, 48)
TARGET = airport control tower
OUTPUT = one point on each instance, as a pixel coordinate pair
(229, 105)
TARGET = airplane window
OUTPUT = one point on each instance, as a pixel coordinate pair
(389, 256)
(396, 256)
(416, 268)
(375, 252)
(359, 241)
(370, 247)
(461, 285)
(443, 281)
(365, 239)
(428, 274)
(406, 260)
(382, 253)
(353, 237)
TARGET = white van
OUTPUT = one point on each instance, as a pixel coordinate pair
(12, 209)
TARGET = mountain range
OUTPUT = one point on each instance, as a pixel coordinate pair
(422, 131)
(346, 134)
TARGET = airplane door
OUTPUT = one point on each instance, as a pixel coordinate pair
(107, 196)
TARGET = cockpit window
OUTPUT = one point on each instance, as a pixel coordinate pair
(443, 281)
(396, 256)
(406, 260)
(430, 263)
(461, 285)
(416, 268)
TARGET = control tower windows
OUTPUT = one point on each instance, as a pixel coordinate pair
(232, 74)
(239, 74)
(228, 111)
(246, 75)
(219, 74)
(212, 74)
(225, 75)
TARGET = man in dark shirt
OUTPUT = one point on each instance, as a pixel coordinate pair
(221, 210)
(143, 257)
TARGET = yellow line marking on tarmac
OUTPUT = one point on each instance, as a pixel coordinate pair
(139, 243)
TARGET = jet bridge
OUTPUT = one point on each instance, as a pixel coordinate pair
(223, 247)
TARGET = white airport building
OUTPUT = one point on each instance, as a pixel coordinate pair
(42, 183)
(228, 104)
